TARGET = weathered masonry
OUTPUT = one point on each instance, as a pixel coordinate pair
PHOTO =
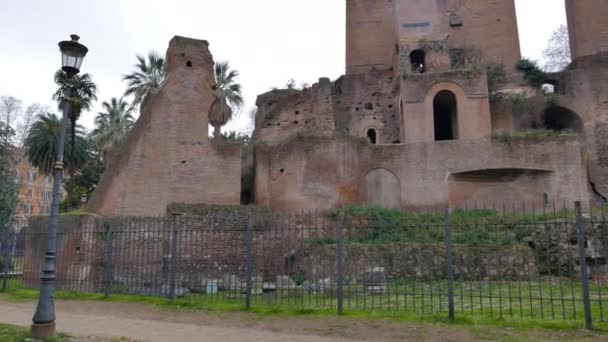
(432, 110)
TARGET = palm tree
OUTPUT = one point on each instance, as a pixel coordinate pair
(83, 92)
(41, 145)
(228, 97)
(112, 126)
(148, 76)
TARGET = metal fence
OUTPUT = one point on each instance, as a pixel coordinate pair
(525, 261)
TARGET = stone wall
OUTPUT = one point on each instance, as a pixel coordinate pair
(378, 29)
(319, 172)
(588, 27)
(168, 156)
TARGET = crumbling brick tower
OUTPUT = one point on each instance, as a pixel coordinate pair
(168, 156)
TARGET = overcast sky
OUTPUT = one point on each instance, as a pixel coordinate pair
(268, 41)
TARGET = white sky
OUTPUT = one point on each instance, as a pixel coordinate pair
(268, 41)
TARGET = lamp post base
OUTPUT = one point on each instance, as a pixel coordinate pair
(42, 331)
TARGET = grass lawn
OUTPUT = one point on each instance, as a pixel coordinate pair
(12, 333)
(293, 308)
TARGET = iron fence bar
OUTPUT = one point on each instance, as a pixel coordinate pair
(450, 269)
(583, 264)
(340, 257)
(172, 271)
(249, 262)
(4, 259)
(108, 264)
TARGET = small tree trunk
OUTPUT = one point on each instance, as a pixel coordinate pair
(217, 131)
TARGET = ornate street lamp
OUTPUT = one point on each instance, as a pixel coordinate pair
(43, 327)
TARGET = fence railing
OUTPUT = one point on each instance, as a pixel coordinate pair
(538, 262)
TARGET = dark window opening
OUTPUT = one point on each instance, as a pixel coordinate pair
(562, 119)
(445, 111)
(417, 60)
(371, 135)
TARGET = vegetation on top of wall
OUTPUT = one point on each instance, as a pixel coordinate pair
(534, 135)
(474, 227)
(532, 72)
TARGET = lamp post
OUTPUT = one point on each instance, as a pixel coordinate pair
(43, 327)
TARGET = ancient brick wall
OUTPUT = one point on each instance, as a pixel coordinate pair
(588, 27)
(382, 33)
(319, 172)
(168, 156)
(370, 36)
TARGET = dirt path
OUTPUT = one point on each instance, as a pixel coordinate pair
(147, 323)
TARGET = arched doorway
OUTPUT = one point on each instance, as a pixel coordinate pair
(372, 136)
(418, 61)
(445, 111)
(382, 189)
(562, 119)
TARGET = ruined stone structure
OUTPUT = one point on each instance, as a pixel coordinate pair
(429, 111)
(168, 156)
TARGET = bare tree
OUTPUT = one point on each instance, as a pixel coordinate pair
(26, 119)
(557, 53)
(10, 109)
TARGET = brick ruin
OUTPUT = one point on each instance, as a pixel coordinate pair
(168, 157)
(423, 117)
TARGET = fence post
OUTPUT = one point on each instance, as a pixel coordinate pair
(340, 256)
(4, 259)
(448, 259)
(583, 263)
(173, 265)
(108, 267)
(249, 271)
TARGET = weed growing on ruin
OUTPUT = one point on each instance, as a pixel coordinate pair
(532, 72)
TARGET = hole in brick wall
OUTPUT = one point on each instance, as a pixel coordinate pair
(296, 122)
(390, 106)
(393, 115)
(269, 125)
(305, 122)
(357, 109)
(375, 118)
(278, 124)
(184, 162)
(189, 64)
(418, 61)
(397, 142)
(369, 106)
(282, 170)
(297, 112)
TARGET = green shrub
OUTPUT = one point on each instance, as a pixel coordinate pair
(532, 72)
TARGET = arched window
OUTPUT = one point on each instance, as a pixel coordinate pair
(445, 110)
(371, 135)
(562, 119)
(418, 61)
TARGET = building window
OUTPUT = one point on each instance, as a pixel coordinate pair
(445, 111)
(418, 61)
(47, 195)
(27, 209)
(371, 135)
(31, 176)
(47, 179)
